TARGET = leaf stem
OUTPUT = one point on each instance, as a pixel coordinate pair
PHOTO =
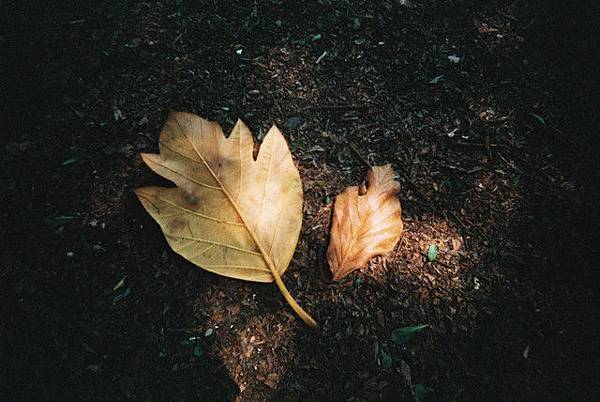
(293, 304)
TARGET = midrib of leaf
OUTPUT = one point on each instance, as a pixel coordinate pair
(286, 294)
(252, 267)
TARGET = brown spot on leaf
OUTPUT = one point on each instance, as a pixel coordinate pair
(177, 223)
(191, 199)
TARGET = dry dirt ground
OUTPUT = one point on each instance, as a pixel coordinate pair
(486, 110)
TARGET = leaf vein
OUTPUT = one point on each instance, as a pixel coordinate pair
(216, 243)
(197, 213)
(189, 178)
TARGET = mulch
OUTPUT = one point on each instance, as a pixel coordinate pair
(487, 112)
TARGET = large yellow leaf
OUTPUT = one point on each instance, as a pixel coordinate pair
(365, 223)
(229, 214)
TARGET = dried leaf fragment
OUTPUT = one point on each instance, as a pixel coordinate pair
(367, 222)
(229, 214)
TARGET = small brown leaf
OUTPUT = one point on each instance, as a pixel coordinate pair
(364, 225)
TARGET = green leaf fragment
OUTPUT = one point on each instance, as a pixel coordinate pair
(437, 79)
(71, 160)
(385, 358)
(517, 181)
(432, 252)
(402, 335)
(74, 155)
(198, 352)
(539, 118)
(120, 284)
(421, 391)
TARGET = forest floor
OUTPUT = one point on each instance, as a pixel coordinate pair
(484, 109)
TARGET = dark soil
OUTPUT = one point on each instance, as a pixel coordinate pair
(494, 148)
